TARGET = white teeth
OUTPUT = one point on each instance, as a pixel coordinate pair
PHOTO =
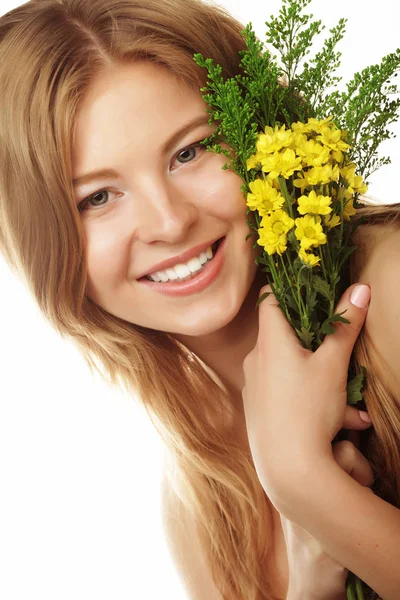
(183, 272)
(194, 264)
(172, 274)
(162, 275)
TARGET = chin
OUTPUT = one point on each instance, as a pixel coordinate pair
(211, 320)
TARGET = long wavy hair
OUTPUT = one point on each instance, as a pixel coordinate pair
(381, 443)
(50, 50)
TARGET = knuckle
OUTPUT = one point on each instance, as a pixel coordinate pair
(345, 452)
(349, 329)
(265, 289)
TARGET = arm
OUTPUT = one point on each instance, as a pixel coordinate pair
(355, 527)
(295, 403)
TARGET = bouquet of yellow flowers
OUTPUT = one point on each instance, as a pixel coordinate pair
(304, 151)
(303, 200)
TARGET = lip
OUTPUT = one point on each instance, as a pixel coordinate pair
(198, 283)
(176, 260)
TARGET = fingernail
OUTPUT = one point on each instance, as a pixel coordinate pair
(365, 416)
(360, 296)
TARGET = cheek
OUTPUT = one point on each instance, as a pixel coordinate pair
(383, 328)
(105, 260)
(219, 194)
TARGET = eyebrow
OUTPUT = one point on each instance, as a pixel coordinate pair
(168, 146)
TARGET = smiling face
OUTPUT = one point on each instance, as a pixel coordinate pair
(381, 272)
(164, 197)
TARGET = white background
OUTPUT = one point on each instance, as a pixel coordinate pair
(79, 463)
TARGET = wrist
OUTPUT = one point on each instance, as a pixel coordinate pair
(299, 489)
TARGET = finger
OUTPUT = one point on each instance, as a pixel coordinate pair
(274, 329)
(355, 303)
(354, 437)
(353, 420)
(353, 462)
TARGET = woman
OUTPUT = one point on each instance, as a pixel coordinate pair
(111, 85)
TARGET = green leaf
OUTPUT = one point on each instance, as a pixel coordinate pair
(306, 337)
(327, 328)
(355, 386)
(262, 297)
(321, 286)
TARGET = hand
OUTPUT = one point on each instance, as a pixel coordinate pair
(313, 574)
(295, 400)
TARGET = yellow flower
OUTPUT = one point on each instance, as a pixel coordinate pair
(308, 259)
(273, 231)
(279, 221)
(332, 138)
(332, 221)
(301, 182)
(272, 242)
(281, 163)
(309, 231)
(321, 175)
(299, 127)
(273, 140)
(318, 124)
(298, 139)
(316, 205)
(337, 155)
(254, 162)
(312, 153)
(348, 210)
(264, 197)
(355, 182)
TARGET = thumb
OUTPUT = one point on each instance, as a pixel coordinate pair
(354, 303)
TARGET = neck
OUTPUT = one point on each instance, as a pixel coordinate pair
(224, 351)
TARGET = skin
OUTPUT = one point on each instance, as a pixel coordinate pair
(382, 245)
(160, 206)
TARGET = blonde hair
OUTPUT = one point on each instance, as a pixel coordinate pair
(380, 444)
(49, 53)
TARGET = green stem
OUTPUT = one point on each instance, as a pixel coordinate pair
(322, 263)
(289, 282)
(350, 591)
(359, 588)
(303, 312)
(278, 283)
(286, 195)
(328, 252)
(341, 213)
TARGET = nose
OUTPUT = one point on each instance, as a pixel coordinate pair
(165, 213)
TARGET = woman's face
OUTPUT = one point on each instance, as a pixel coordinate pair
(382, 273)
(164, 197)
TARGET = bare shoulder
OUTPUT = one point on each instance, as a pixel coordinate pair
(183, 543)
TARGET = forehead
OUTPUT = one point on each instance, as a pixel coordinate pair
(133, 104)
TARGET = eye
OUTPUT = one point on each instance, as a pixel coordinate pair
(96, 200)
(187, 155)
(190, 153)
